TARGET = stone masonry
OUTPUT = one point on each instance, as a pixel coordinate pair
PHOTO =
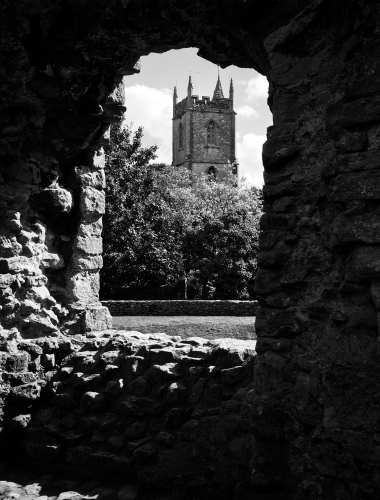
(315, 399)
(193, 148)
(160, 412)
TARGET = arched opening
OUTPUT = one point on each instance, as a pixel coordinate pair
(318, 281)
(211, 173)
(150, 102)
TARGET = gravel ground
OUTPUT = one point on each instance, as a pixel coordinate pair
(209, 327)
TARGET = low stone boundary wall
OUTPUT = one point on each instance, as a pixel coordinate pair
(181, 307)
(167, 413)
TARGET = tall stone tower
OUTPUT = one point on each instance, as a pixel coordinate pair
(204, 132)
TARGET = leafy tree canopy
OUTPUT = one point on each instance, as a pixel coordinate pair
(161, 224)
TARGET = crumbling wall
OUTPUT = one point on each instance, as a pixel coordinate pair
(315, 412)
(316, 384)
(167, 412)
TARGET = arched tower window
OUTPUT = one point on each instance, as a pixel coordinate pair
(211, 132)
(211, 173)
(180, 135)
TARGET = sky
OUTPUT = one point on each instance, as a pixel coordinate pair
(149, 102)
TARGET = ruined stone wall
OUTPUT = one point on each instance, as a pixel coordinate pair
(181, 307)
(167, 413)
(315, 401)
(315, 412)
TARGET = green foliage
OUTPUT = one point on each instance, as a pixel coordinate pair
(137, 247)
(161, 224)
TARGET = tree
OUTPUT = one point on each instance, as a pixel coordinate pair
(221, 243)
(162, 224)
(138, 248)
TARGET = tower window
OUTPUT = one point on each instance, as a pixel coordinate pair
(180, 135)
(211, 132)
(211, 173)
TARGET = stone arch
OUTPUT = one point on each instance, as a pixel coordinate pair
(316, 384)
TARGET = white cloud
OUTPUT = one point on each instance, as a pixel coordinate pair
(249, 157)
(247, 111)
(257, 88)
(152, 108)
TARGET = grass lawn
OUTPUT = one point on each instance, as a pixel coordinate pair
(209, 327)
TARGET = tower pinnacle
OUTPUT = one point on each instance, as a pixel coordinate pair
(189, 87)
(218, 92)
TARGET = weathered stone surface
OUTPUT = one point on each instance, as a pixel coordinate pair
(59, 66)
(84, 426)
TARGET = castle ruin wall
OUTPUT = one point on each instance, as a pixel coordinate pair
(315, 405)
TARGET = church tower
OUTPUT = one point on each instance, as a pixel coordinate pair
(204, 132)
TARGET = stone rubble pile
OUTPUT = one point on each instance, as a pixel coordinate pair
(157, 410)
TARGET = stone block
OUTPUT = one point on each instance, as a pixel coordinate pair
(366, 262)
(363, 228)
(361, 111)
(145, 453)
(92, 204)
(176, 417)
(232, 375)
(137, 430)
(164, 373)
(139, 386)
(89, 382)
(363, 185)
(19, 264)
(88, 262)
(352, 142)
(17, 362)
(52, 201)
(91, 229)
(102, 493)
(110, 463)
(92, 402)
(273, 258)
(176, 392)
(84, 287)
(26, 392)
(9, 247)
(96, 319)
(114, 387)
(6, 280)
(197, 391)
(137, 406)
(278, 150)
(48, 361)
(78, 456)
(70, 495)
(127, 492)
(90, 178)
(368, 160)
(276, 322)
(91, 246)
(66, 399)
